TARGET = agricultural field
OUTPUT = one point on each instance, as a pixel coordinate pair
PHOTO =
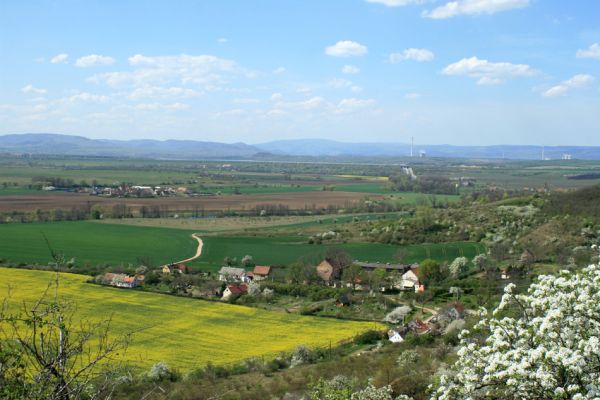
(94, 243)
(185, 333)
(280, 250)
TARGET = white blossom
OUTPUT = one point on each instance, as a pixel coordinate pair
(539, 345)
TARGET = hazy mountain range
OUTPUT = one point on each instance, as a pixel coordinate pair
(55, 144)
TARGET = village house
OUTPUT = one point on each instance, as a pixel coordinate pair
(232, 274)
(410, 280)
(122, 280)
(395, 335)
(176, 268)
(236, 289)
(261, 272)
(419, 327)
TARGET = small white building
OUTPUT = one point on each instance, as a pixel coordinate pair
(232, 274)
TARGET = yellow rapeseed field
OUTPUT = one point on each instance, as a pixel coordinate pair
(186, 333)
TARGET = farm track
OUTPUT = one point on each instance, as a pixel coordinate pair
(297, 200)
(198, 251)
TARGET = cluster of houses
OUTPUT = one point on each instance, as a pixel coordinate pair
(121, 280)
(408, 275)
(439, 322)
(137, 191)
(238, 279)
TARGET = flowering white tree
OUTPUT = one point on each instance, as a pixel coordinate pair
(539, 345)
(458, 266)
(397, 314)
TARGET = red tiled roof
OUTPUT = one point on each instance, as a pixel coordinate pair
(262, 270)
(238, 289)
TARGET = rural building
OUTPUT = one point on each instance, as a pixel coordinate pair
(122, 280)
(231, 290)
(176, 268)
(419, 327)
(394, 336)
(410, 280)
(232, 274)
(261, 272)
(370, 267)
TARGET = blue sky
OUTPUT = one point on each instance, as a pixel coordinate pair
(462, 72)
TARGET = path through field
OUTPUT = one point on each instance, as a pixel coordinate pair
(198, 251)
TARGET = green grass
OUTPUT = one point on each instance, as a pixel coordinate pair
(185, 333)
(285, 250)
(94, 243)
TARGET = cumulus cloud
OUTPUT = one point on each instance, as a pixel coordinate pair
(88, 98)
(352, 105)
(473, 7)
(486, 72)
(59, 58)
(592, 52)
(575, 82)
(346, 48)
(202, 70)
(149, 92)
(350, 69)
(338, 83)
(279, 70)
(159, 106)
(93, 60)
(395, 3)
(412, 54)
(246, 100)
(276, 96)
(30, 89)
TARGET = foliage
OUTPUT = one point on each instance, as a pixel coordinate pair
(459, 266)
(539, 345)
(398, 314)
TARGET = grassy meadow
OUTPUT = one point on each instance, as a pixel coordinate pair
(185, 333)
(94, 243)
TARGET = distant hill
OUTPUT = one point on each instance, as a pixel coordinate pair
(47, 143)
(320, 147)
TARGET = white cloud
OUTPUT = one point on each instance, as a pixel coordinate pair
(246, 101)
(592, 52)
(395, 3)
(356, 89)
(338, 83)
(276, 96)
(88, 98)
(149, 92)
(412, 96)
(222, 40)
(279, 70)
(236, 112)
(202, 70)
(159, 106)
(488, 73)
(575, 82)
(59, 58)
(351, 105)
(473, 7)
(412, 54)
(350, 69)
(346, 48)
(94, 60)
(30, 89)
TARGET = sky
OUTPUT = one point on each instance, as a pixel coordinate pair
(464, 72)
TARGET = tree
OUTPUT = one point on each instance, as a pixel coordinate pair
(456, 291)
(538, 345)
(351, 275)
(430, 272)
(247, 261)
(397, 315)
(480, 262)
(53, 357)
(459, 266)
